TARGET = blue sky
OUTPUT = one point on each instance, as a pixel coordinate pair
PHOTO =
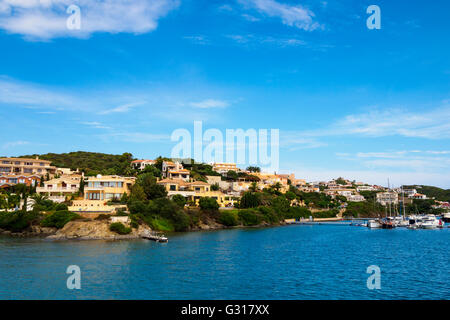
(348, 101)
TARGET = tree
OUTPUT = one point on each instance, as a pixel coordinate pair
(253, 169)
(207, 203)
(215, 187)
(232, 175)
(39, 199)
(250, 200)
(151, 189)
(253, 187)
(137, 193)
(179, 200)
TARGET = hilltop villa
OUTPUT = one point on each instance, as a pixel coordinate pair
(20, 166)
(59, 188)
(99, 190)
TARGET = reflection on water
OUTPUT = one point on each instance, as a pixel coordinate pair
(294, 262)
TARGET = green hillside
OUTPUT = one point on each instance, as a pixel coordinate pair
(430, 192)
(91, 163)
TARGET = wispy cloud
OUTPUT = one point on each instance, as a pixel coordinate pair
(198, 39)
(417, 160)
(430, 124)
(95, 124)
(46, 19)
(14, 144)
(122, 108)
(209, 103)
(268, 40)
(291, 15)
(136, 137)
(293, 141)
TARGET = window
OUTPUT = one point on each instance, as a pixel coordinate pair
(6, 162)
(173, 187)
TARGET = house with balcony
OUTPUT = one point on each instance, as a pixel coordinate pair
(25, 166)
(193, 191)
(175, 170)
(99, 190)
(142, 164)
(223, 168)
(388, 197)
(59, 189)
(9, 180)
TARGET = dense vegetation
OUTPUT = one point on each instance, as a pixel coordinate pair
(58, 219)
(92, 163)
(119, 228)
(432, 192)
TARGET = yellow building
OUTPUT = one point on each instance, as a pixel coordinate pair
(223, 168)
(193, 191)
(101, 189)
(58, 189)
(26, 166)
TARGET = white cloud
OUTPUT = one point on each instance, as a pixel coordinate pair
(14, 144)
(209, 103)
(253, 39)
(293, 141)
(136, 137)
(291, 15)
(396, 177)
(122, 108)
(46, 19)
(95, 124)
(431, 124)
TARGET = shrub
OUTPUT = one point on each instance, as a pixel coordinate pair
(270, 215)
(250, 217)
(250, 200)
(228, 218)
(119, 228)
(179, 200)
(59, 219)
(17, 221)
(297, 213)
(207, 203)
(103, 217)
(61, 207)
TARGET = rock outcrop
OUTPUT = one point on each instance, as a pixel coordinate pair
(95, 229)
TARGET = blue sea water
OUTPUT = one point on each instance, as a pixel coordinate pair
(289, 262)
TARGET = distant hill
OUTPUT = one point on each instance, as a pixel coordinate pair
(432, 192)
(92, 163)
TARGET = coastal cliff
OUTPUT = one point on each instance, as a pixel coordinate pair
(95, 230)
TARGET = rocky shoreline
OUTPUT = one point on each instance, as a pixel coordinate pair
(78, 230)
(99, 230)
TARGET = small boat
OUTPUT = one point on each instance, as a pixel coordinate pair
(154, 236)
(430, 222)
(373, 224)
(446, 217)
(388, 223)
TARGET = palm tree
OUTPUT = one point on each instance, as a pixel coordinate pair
(253, 187)
(39, 198)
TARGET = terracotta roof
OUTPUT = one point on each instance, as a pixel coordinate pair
(139, 161)
(24, 159)
(198, 183)
(173, 181)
